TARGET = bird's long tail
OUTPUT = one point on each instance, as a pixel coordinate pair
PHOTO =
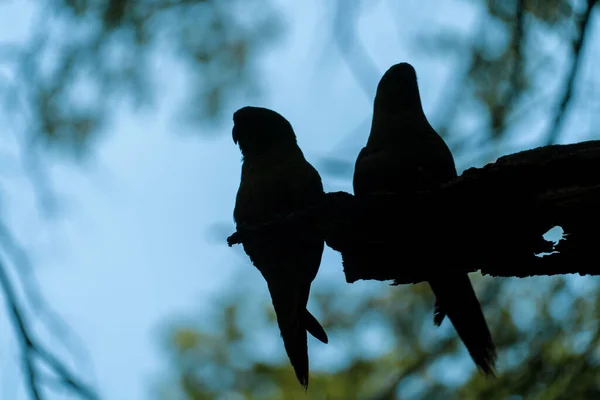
(456, 298)
(292, 316)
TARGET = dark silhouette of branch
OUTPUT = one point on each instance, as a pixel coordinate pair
(26, 343)
(490, 219)
(32, 351)
(17, 96)
(555, 129)
(32, 292)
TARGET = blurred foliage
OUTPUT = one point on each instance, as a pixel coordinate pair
(504, 56)
(509, 74)
(546, 329)
(82, 56)
(68, 69)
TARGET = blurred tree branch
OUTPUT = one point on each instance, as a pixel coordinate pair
(355, 54)
(62, 85)
(497, 75)
(578, 43)
(32, 350)
(109, 50)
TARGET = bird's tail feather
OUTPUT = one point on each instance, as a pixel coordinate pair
(455, 297)
(314, 327)
(290, 308)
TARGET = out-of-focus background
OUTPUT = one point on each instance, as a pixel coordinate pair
(118, 176)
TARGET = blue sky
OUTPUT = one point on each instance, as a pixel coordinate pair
(132, 249)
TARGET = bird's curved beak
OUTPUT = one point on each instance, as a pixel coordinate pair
(234, 134)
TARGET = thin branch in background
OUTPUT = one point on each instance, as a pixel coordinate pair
(486, 150)
(40, 182)
(555, 129)
(32, 291)
(540, 101)
(31, 166)
(354, 53)
(33, 299)
(31, 349)
(47, 202)
(18, 92)
(456, 85)
(364, 71)
(508, 99)
(518, 39)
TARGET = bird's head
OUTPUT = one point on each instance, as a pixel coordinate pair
(398, 88)
(259, 130)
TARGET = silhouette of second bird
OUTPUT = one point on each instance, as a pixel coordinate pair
(403, 153)
(276, 181)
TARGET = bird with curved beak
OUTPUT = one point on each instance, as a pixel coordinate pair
(276, 181)
(404, 153)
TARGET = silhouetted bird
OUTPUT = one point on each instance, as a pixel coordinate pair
(276, 181)
(403, 153)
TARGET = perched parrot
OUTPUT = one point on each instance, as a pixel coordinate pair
(403, 153)
(276, 181)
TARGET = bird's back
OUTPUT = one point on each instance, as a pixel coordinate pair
(268, 192)
(412, 157)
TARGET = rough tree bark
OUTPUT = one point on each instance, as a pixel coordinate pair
(490, 219)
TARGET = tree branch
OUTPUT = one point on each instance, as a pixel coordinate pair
(555, 128)
(357, 57)
(31, 349)
(490, 219)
